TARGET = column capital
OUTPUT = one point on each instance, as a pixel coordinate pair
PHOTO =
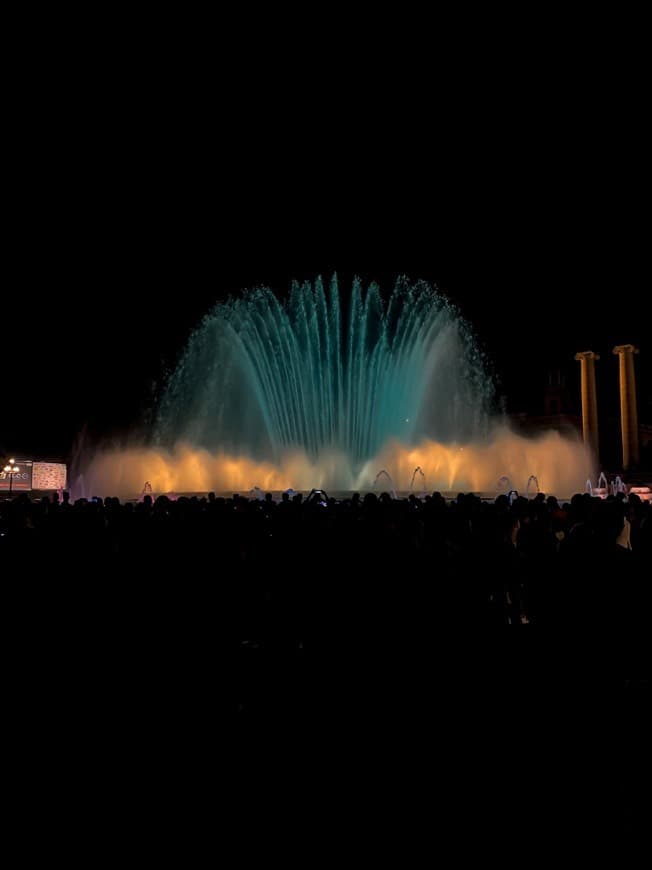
(625, 348)
(586, 354)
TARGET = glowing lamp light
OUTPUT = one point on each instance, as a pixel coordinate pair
(10, 469)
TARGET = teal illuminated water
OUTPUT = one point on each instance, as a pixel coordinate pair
(326, 370)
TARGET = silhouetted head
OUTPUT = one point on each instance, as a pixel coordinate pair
(610, 521)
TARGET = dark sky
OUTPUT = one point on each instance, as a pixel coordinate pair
(120, 238)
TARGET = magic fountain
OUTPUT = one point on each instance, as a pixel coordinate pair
(323, 389)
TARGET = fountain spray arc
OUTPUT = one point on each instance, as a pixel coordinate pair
(325, 387)
(322, 373)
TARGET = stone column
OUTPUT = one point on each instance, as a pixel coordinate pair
(589, 399)
(628, 409)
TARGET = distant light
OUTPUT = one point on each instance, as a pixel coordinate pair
(11, 461)
(407, 419)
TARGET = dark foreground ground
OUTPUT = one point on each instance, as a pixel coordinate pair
(432, 671)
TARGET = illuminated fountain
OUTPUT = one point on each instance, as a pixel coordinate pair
(531, 479)
(418, 470)
(618, 486)
(322, 389)
(601, 490)
(323, 375)
(388, 478)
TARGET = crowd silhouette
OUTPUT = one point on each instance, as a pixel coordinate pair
(278, 567)
(335, 610)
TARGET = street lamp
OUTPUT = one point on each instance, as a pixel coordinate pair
(10, 469)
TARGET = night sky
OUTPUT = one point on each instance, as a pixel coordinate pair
(113, 261)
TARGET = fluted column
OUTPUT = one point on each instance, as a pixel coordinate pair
(589, 399)
(628, 409)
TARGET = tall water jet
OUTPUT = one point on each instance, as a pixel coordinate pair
(319, 373)
(532, 479)
(418, 470)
